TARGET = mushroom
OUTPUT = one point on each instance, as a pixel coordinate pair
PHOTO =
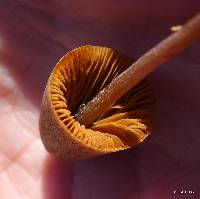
(77, 77)
(123, 112)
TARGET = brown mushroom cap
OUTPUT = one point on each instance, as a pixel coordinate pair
(75, 80)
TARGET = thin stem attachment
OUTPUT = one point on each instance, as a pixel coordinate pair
(159, 54)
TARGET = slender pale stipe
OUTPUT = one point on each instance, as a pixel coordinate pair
(168, 48)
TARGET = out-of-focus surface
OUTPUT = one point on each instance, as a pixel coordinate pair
(33, 36)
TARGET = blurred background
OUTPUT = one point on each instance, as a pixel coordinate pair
(34, 35)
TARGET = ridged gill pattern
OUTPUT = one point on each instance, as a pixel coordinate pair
(78, 77)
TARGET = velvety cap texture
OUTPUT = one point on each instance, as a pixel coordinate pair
(74, 81)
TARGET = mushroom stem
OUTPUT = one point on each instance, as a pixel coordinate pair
(157, 55)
